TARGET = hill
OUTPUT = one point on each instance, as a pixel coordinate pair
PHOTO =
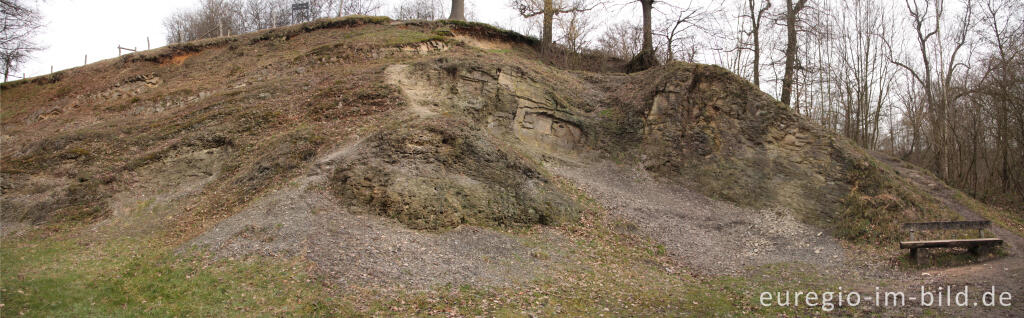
(362, 165)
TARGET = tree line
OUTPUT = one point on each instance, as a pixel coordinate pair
(938, 83)
(214, 18)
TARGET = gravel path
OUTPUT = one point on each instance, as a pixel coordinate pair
(712, 237)
(354, 248)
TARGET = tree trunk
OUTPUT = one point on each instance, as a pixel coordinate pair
(755, 31)
(459, 10)
(796, 103)
(757, 58)
(646, 58)
(668, 47)
(549, 18)
(792, 10)
(341, 8)
(648, 46)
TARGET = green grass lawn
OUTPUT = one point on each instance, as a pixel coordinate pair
(140, 278)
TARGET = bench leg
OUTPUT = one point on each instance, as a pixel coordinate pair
(914, 255)
(979, 250)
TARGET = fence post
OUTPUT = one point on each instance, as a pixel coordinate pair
(86, 60)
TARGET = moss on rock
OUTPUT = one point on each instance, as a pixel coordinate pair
(442, 173)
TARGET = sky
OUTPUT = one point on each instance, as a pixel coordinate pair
(74, 28)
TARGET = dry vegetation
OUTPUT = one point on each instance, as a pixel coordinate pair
(459, 143)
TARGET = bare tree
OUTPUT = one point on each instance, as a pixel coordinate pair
(647, 57)
(949, 98)
(458, 10)
(226, 17)
(18, 29)
(682, 25)
(318, 8)
(1001, 93)
(359, 7)
(936, 74)
(791, 15)
(575, 27)
(420, 10)
(852, 62)
(755, 12)
(256, 15)
(212, 19)
(548, 9)
(622, 40)
(646, 6)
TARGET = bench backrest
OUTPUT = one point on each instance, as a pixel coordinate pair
(955, 225)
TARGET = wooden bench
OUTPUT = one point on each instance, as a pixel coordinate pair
(972, 244)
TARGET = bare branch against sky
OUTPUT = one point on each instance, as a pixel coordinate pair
(19, 27)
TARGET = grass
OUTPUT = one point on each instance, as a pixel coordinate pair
(880, 202)
(609, 274)
(127, 278)
(489, 31)
(621, 279)
(131, 278)
(615, 275)
(949, 257)
(1004, 218)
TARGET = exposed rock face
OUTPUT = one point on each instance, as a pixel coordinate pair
(544, 129)
(713, 130)
(441, 173)
(734, 142)
(697, 124)
(504, 97)
(450, 165)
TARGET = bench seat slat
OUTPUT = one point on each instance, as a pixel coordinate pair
(952, 225)
(951, 243)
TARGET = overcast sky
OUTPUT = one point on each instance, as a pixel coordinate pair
(75, 28)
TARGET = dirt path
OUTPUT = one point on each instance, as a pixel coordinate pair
(1006, 273)
(711, 237)
(941, 192)
(714, 237)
